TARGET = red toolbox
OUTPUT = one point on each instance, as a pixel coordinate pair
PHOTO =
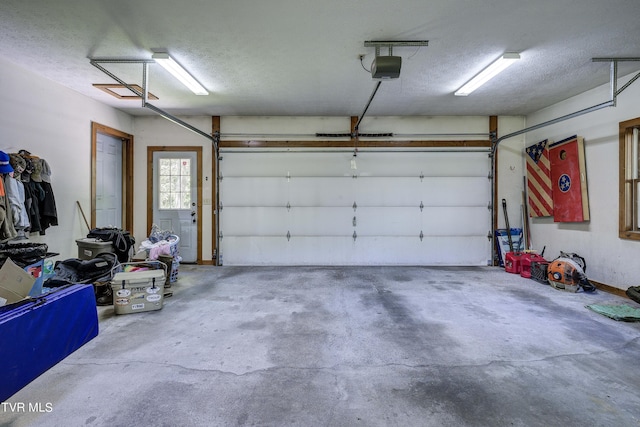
(526, 260)
(512, 262)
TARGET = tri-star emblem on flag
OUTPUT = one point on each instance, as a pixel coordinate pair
(564, 183)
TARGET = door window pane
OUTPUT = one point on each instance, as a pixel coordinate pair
(175, 183)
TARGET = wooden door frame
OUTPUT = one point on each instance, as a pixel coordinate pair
(198, 150)
(127, 173)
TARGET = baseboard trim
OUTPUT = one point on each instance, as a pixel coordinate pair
(610, 289)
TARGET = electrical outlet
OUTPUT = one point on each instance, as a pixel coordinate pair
(206, 201)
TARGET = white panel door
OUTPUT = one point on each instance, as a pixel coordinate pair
(398, 208)
(108, 181)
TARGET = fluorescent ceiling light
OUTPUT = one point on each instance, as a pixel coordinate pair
(179, 73)
(488, 73)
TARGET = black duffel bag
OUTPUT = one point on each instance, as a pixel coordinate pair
(23, 254)
(121, 240)
(75, 270)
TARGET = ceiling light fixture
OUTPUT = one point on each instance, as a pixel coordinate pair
(179, 73)
(488, 73)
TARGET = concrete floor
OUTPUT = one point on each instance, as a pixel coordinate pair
(363, 346)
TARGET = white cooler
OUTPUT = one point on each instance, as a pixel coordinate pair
(138, 291)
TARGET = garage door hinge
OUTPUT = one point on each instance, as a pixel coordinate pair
(355, 236)
(421, 176)
(489, 236)
(490, 206)
(220, 207)
(288, 236)
(288, 176)
(220, 236)
(220, 178)
(354, 206)
(421, 206)
(421, 235)
(354, 221)
(490, 176)
(288, 206)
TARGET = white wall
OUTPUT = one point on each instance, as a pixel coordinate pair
(54, 123)
(158, 131)
(610, 260)
(510, 171)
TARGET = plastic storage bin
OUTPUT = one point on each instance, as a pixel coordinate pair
(89, 248)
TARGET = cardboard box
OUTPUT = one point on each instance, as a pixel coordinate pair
(138, 291)
(15, 283)
(35, 270)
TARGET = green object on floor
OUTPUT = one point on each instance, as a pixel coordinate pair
(625, 313)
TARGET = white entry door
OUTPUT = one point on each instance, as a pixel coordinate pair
(108, 181)
(175, 198)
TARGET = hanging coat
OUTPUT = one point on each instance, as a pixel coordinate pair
(16, 195)
(7, 230)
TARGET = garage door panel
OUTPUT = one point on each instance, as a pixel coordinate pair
(447, 251)
(387, 191)
(322, 250)
(458, 191)
(321, 191)
(387, 221)
(248, 221)
(456, 221)
(379, 250)
(421, 163)
(251, 191)
(456, 250)
(279, 164)
(255, 250)
(320, 221)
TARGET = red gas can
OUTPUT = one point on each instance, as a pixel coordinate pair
(512, 262)
(526, 260)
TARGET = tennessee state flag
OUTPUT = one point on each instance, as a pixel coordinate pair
(569, 180)
(539, 187)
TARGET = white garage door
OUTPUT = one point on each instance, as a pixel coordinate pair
(395, 208)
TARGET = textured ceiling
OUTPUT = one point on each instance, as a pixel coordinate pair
(300, 57)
